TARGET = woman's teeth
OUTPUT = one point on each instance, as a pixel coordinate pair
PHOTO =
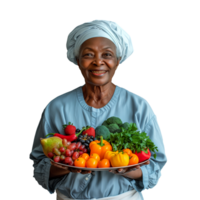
(98, 72)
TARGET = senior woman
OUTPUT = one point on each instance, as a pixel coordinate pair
(97, 47)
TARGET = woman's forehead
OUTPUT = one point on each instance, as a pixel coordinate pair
(98, 42)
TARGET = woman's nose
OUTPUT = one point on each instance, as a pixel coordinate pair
(98, 61)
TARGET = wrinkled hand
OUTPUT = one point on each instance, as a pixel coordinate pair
(122, 171)
(69, 169)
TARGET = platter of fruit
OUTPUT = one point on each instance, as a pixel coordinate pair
(112, 145)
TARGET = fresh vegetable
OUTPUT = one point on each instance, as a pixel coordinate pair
(125, 125)
(114, 128)
(80, 162)
(109, 154)
(85, 156)
(128, 151)
(95, 156)
(119, 159)
(90, 131)
(104, 163)
(102, 131)
(69, 128)
(133, 140)
(70, 138)
(113, 120)
(144, 155)
(91, 163)
(133, 159)
(100, 147)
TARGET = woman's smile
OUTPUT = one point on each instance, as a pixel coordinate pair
(98, 73)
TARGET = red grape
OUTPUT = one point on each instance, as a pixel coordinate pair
(84, 150)
(62, 149)
(82, 147)
(57, 159)
(72, 146)
(68, 143)
(68, 152)
(62, 157)
(78, 144)
(50, 155)
(56, 151)
(75, 155)
(71, 163)
(68, 160)
(80, 153)
(64, 142)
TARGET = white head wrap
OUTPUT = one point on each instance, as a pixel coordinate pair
(99, 28)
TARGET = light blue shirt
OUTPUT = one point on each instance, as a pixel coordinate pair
(71, 107)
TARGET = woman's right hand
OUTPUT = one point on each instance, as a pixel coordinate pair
(70, 169)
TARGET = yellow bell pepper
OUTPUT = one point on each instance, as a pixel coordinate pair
(119, 159)
(100, 147)
(109, 154)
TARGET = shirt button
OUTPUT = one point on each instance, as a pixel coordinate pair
(86, 178)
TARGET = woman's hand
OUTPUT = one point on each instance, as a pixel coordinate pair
(130, 172)
(70, 169)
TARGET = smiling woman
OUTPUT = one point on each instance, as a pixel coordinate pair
(97, 47)
(97, 61)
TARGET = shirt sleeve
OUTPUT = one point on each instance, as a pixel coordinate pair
(42, 164)
(152, 172)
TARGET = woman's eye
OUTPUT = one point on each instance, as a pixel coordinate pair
(88, 54)
(108, 54)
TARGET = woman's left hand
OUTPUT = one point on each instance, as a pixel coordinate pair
(130, 172)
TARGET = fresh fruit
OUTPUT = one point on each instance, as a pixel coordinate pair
(62, 149)
(90, 131)
(91, 163)
(56, 151)
(49, 143)
(62, 157)
(78, 144)
(80, 162)
(56, 158)
(84, 150)
(50, 155)
(105, 163)
(71, 163)
(85, 156)
(68, 152)
(72, 146)
(82, 147)
(128, 151)
(75, 155)
(80, 153)
(64, 142)
(133, 159)
(68, 160)
(69, 129)
(95, 156)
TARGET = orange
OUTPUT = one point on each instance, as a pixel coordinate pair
(85, 156)
(133, 159)
(80, 162)
(91, 163)
(104, 163)
(128, 151)
(95, 156)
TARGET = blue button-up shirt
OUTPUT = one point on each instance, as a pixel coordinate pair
(71, 107)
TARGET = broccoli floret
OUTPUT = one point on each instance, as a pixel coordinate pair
(102, 131)
(114, 120)
(105, 123)
(114, 128)
(125, 125)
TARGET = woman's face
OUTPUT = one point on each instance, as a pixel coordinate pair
(98, 61)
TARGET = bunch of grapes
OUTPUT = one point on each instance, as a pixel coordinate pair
(68, 152)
